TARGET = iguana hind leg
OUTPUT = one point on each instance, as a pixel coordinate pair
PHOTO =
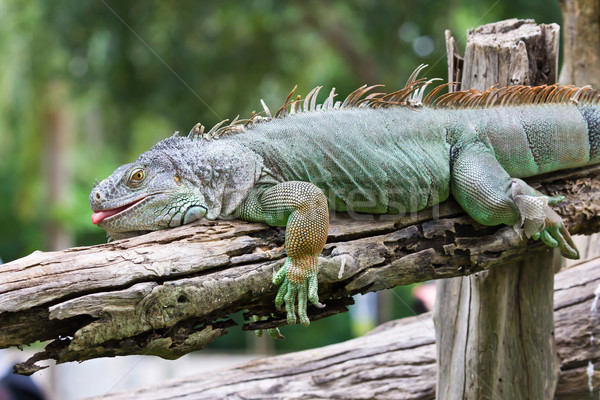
(302, 208)
(489, 195)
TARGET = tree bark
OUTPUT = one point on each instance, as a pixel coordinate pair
(167, 293)
(403, 352)
(495, 329)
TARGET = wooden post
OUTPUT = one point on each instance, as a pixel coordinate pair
(581, 38)
(495, 329)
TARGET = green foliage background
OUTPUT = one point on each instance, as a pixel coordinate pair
(126, 74)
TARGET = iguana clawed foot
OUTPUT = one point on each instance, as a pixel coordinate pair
(540, 221)
(556, 235)
(298, 279)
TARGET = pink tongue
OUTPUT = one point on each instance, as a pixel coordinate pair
(98, 216)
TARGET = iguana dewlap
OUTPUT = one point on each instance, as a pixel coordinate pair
(380, 153)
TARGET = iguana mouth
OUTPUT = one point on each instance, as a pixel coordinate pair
(101, 215)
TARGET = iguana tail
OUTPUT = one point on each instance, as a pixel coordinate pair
(537, 139)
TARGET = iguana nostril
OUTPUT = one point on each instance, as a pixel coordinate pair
(98, 196)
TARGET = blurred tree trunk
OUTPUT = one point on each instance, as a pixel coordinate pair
(57, 173)
(581, 42)
(495, 329)
(336, 32)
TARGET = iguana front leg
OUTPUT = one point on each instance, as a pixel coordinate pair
(302, 208)
(489, 195)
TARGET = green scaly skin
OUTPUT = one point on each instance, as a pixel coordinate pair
(290, 170)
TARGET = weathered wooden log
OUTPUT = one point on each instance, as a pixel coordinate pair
(495, 329)
(397, 359)
(581, 38)
(510, 52)
(167, 293)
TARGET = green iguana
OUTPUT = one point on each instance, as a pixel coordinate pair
(376, 153)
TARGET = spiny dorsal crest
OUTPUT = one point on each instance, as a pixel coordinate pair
(411, 96)
(517, 96)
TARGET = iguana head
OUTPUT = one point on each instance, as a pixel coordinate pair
(177, 182)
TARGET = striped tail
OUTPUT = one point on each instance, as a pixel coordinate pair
(535, 139)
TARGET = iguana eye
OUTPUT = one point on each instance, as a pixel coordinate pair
(137, 176)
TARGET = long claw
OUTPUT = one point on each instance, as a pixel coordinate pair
(567, 236)
(567, 246)
(275, 333)
(570, 252)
